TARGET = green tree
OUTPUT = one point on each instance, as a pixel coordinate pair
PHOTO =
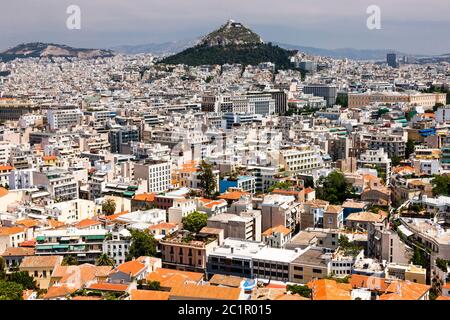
(2, 269)
(108, 207)
(410, 148)
(207, 179)
(419, 258)
(195, 221)
(70, 260)
(10, 291)
(104, 260)
(442, 264)
(142, 244)
(441, 185)
(154, 285)
(283, 185)
(304, 291)
(24, 279)
(395, 161)
(333, 188)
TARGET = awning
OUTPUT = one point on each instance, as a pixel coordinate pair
(405, 231)
(40, 238)
(95, 237)
(38, 247)
(61, 246)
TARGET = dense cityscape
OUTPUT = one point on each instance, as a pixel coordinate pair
(233, 170)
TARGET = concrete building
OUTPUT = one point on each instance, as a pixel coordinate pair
(156, 173)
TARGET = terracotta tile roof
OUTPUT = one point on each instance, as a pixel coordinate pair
(133, 267)
(372, 283)
(41, 261)
(333, 209)
(3, 192)
(205, 292)
(6, 168)
(280, 229)
(115, 216)
(149, 295)
(212, 204)
(86, 298)
(87, 223)
(404, 290)
(325, 289)
(78, 276)
(235, 195)
(12, 251)
(443, 298)
(58, 291)
(365, 216)
(105, 286)
(227, 281)
(28, 223)
(309, 190)
(169, 278)
(147, 197)
(55, 223)
(49, 158)
(7, 231)
(28, 244)
(163, 225)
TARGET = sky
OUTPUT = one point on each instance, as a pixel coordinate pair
(409, 26)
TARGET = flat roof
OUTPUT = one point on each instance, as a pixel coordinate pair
(277, 255)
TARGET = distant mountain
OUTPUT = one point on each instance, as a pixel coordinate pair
(232, 43)
(156, 48)
(39, 49)
(342, 53)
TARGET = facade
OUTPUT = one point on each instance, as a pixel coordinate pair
(156, 173)
(328, 92)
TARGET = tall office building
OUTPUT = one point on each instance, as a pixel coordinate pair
(392, 60)
(328, 92)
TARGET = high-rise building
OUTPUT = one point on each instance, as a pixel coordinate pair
(391, 59)
(328, 92)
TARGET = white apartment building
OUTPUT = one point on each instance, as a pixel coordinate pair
(21, 179)
(443, 114)
(376, 159)
(4, 152)
(117, 246)
(64, 118)
(156, 173)
(303, 159)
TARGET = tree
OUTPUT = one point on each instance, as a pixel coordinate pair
(108, 207)
(333, 188)
(441, 185)
(142, 244)
(395, 160)
(10, 290)
(24, 279)
(69, 260)
(410, 148)
(419, 258)
(195, 221)
(154, 285)
(2, 269)
(304, 291)
(104, 260)
(283, 185)
(207, 179)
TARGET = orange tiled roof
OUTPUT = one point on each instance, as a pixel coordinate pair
(87, 223)
(59, 291)
(234, 195)
(149, 295)
(115, 216)
(28, 223)
(169, 278)
(325, 289)
(309, 190)
(282, 229)
(7, 231)
(371, 283)
(49, 158)
(443, 298)
(133, 267)
(404, 290)
(105, 286)
(205, 292)
(147, 197)
(41, 261)
(6, 167)
(13, 251)
(3, 192)
(163, 225)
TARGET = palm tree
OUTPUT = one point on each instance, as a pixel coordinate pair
(104, 260)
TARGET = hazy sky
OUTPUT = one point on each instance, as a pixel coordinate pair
(411, 26)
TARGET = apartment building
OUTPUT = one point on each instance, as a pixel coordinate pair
(273, 263)
(385, 244)
(156, 173)
(64, 117)
(246, 225)
(301, 160)
(313, 263)
(59, 183)
(378, 160)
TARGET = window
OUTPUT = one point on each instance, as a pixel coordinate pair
(298, 276)
(317, 271)
(298, 268)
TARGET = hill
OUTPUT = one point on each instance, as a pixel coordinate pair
(41, 50)
(232, 43)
